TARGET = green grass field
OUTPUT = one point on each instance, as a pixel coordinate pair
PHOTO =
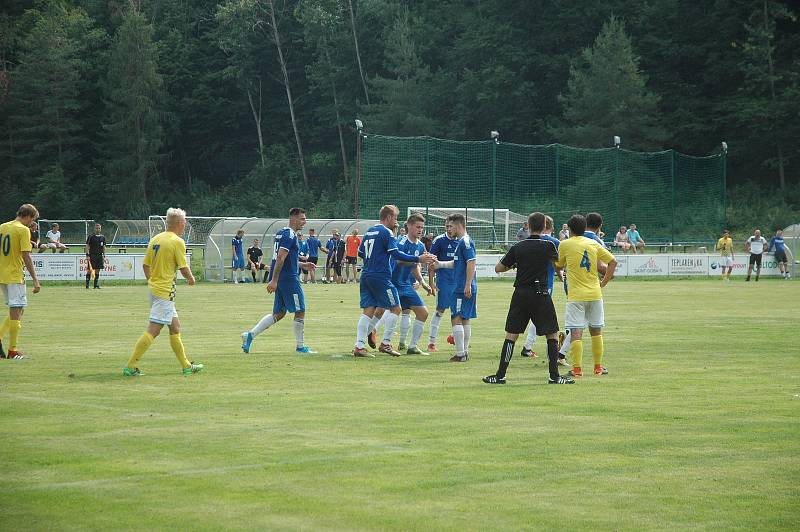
(696, 426)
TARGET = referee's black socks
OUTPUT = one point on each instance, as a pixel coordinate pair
(505, 358)
(552, 358)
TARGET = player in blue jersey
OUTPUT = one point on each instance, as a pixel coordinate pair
(285, 284)
(444, 247)
(464, 306)
(527, 348)
(237, 260)
(313, 252)
(377, 291)
(779, 244)
(594, 224)
(404, 276)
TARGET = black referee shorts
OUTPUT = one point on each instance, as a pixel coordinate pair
(755, 258)
(97, 262)
(527, 305)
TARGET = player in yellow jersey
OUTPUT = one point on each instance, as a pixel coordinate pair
(580, 255)
(15, 251)
(725, 248)
(166, 253)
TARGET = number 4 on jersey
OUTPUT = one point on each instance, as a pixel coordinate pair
(585, 261)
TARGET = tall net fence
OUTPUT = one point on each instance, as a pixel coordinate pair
(671, 197)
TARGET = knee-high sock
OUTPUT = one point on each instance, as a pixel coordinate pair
(4, 328)
(552, 358)
(405, 325)
(458, 339)
(436, 322)
(253, 274)
(176, 344)
(142, 345)
(263, 324)
(374, 322)
(96, 277)
(597, 349)
(531, 338)
(567, 343)
(299, 331)
(576, 353)
(467, 336)
(88, 277)
(362, 330)
(506, 353)
(416, 333)
(390, 320)
(13, 334)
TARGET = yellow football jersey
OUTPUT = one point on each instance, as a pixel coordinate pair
(725, 246)
(580, 255)
(166, 253)
(15, 239)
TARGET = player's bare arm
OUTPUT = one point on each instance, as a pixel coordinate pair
(470, 277)
(421, 280)
(500, 268)
(187, 273)
(609, 273)
(26, 258)
(273, 284)
(146, 270)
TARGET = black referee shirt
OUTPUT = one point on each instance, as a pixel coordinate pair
(97, 244)
(255, 254)
(531, 257)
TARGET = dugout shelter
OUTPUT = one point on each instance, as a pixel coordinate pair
(218, 248)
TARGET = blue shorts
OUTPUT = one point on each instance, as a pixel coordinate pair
(409, 297)
(237, 263)
(465, 308)
(289, 298)
(378, 293)
(444, 295)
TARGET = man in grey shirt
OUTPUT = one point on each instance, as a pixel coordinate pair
(523, 232)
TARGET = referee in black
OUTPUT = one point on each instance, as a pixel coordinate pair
(531, 300)
(95, 251)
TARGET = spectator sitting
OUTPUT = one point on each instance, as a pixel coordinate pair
(53, 240)
(34, 227)
(621, 239)
(635, 239)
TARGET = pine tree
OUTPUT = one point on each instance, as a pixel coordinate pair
(134, 132)
(607, 96)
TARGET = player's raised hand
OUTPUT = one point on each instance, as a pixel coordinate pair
(427, 258)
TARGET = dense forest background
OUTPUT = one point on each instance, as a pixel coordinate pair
(118, 109)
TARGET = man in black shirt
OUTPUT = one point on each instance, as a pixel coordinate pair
(254, 263)
(95, 251)
(34, 228)
(531, 300)
(337, 256)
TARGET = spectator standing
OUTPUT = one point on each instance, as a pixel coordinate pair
(254, 264)
(351, 248)
(427, 241)
(313, 252)
(96, 254)
(778, 243)
(621, 239)
(329, 249)
(564, 233)
(755, 245)
(725, 248)
(635, 239)
(53, 240)
(524, 232)
(302, 254)
(337, 256)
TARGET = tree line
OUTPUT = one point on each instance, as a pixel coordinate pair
(116, 109)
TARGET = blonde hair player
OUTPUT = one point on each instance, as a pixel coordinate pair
(166, 254)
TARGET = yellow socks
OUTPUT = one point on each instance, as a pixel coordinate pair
(177, 347)
(142, 345)
(13, 334)
(4, 328)
(597, 350)
(576, 353)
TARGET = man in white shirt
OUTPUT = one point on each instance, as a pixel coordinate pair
(755, 245)
(53, 240)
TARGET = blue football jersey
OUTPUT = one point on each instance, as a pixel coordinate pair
(286, 239)
(377, 245)
(592, 235)
(402, 275)
(238, 245)
(465, 252)
(551, 269)
(444, 248)
(313, 246)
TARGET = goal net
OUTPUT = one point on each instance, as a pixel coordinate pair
(487, 227)
(196, 232)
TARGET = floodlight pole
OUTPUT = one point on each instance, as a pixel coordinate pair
(359, 128)
(724, 161)
(495, 135)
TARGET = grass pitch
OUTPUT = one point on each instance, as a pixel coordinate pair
(695, 427)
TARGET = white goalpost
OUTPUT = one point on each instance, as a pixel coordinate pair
(486, 226)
